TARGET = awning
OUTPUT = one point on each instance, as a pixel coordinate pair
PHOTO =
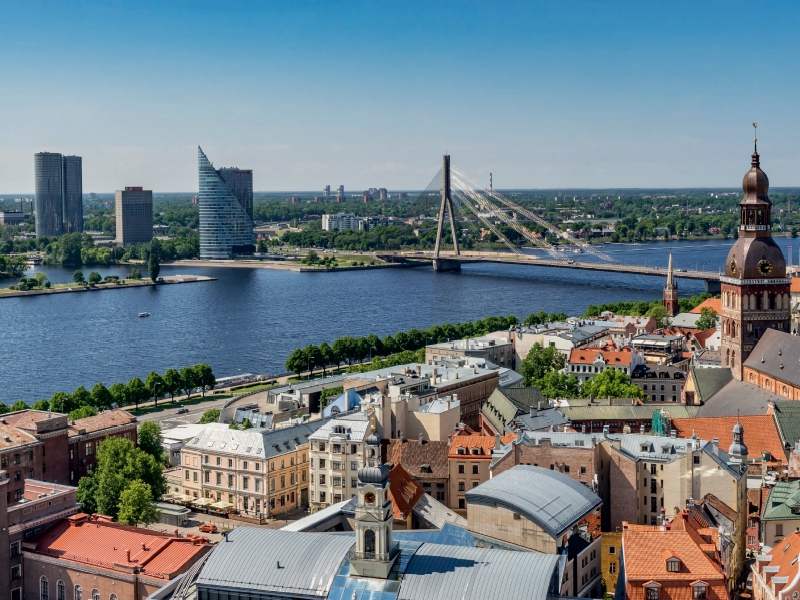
(203, 501)
(222, 505)
(182, 497)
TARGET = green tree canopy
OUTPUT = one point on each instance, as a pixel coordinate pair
(77, 277)
(210, 416)
(540, 361)
(101, 397)
(61, 403)
(556, 384)
(708, 318)
(155, 386)
(189, 380)
(611, 383)
(119, 393)
(41, 405)
(153, 266)
(95, 278)
(660, 314)
(87, 493)
(81, 397)
(149, 439)
(172, 383)
(19, 405)
(246, 424)
(204, 377)
(82, 412)
(136, 505)
(136, 391)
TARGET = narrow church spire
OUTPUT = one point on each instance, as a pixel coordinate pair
(671, 290)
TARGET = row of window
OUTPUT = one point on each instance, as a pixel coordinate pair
(674, 387)
(337, 448)
(474, 468)
(61, 591)
(336, 465)
(256, 465)
(245, 480)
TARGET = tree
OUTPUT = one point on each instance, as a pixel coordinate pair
(660, 314)
(204, 377)
(136, 391)
(611, 383)
(233, 425)
(172, 383)
(155, 385)
(540, 361)
(556, 384)
(95, 278)
(344, 348)
(149, 439)
(136, 505)
(77, 277)
(119, 393)
(246, 424)
(189, 380)
(87, 491)
(296, 361)
(41, 277)
(19, 405)
(41, 405)
(118, 463)
(327, 356)
(708, 318)
(313, 358)
(153, 266)
(69, 249)
(101, 397)
(135, 273)
(81, 397)
(60, 403)
(210, 416)
(82, 412)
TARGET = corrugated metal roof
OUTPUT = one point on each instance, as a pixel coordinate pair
(626, 413)
(463, 573)
(282, 562)
(550, 499)
(254, 443)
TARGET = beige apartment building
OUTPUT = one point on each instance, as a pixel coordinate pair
(256, 472)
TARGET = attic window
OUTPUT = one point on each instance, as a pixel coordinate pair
(786, 548)
(461, 450)
(645, 447)
(673, 565)
(579, 442)
(474, 451)
(426, 468)
(699, 591)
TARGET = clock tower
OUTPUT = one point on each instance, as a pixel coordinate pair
(755, 289)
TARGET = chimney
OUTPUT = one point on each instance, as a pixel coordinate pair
(435, 372)
(626, 429)
(449, 440)
(715, 443)
(583, 428)
(673, 433)
(533, 411)
(497, 444)
(128, 555)
(421, 438)
(641, 429)
(606, 430)
(455, 398)
(539, 405)
(176, 533)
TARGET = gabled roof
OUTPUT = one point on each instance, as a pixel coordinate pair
(713, 303)
(217, 438)
(777, 354)
(552, 500)
(784, 496)
(483, 443)
(105, 420)
(412, 455)
(783, 558)
(644, 555)
(708, 382)
(588, 356)
(506, 403)
(787, 416)
(737, 397)
(760, 432)
(403, 491)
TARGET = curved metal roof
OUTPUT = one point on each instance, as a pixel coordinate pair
(276, 561)
(552, 500)
(463, 573)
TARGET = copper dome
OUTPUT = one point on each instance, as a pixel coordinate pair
(748, 253)
(755, 183)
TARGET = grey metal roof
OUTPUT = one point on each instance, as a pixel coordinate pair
(462, 573)
(737, 397)
(250, 560)
(254, 443)
(543, 420)
(550, 499)
(777, 354)
(626, 413)
(653, 448)
(708, 382)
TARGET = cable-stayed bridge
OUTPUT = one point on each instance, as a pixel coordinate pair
(457, 189)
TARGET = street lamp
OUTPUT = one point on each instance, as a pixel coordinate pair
(371, 348)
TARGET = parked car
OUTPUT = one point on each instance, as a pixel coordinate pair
(182, 411)
(208, 528)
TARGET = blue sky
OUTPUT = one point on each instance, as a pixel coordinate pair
(543, 94)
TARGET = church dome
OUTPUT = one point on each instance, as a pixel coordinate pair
(737, 448)
(746, 255)
(374, 475)
(755, 183)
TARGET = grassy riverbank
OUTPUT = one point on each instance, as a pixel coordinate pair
(61, 288)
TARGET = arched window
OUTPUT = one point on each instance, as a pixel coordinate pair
(113, 597)
(95, 594)
(44, 588)
(61, 590)
(78, 592)
(369, 541)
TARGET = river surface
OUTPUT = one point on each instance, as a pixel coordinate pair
(251, 319)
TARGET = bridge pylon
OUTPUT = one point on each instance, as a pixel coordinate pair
(447, 204)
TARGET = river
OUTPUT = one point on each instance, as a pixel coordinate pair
(251, 319)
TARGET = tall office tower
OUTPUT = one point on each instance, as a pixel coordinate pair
(49, 193)
(59, 194)
(72, 198)
(326, 192)
(340, 194)
(226, 210)
(134, 210)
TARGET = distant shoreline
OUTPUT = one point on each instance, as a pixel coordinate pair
(283, 266)
(168, 280)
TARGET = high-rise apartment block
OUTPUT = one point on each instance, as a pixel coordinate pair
(326, 192)
(340, 194)
(134, 210)
(59, 194)
(226, 210)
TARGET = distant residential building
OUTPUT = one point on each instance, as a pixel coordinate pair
(326, 192)
(660, 383)
(59, 194)
(382, 194)
(34, 446)
(499, 351)
(11, 217)
(226, 211)
(350, 222)
(134, 211)
(340, 194)
(585, 363)
(85, 436)
(780, 514)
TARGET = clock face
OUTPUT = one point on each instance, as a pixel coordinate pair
(764, 268)
(369, 498)
(733, 267)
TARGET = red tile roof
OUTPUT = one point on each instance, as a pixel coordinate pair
(760, 432)
(784, 556)
(795, 289)
(105, 420)
(703, 336)
(26, 419)
(714, 303)
(484, 443)
(587, 356)
(99, 543)
(412, 455)
(10, 437)
(404, 492)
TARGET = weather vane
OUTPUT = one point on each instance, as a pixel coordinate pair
(755, 139)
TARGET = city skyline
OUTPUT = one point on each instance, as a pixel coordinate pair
(571, 96)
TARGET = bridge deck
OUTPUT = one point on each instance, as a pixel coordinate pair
(516, 259)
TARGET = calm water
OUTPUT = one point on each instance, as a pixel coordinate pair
(251, 319)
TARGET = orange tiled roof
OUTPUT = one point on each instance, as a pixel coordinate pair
(795, 289)
(484, 443)
(760, 432)
(702, 336)
(404, 492)
(99, 543)
(11, 436)
(26, 419)
(715, 303)
(783, 555)
(105, 420)
(587, 356)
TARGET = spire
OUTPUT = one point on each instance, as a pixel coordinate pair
(670, 272)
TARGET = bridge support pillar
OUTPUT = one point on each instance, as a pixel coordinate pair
(441, 265)
(713, 286)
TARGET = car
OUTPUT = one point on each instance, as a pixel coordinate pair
(182, 411)
(208, 528)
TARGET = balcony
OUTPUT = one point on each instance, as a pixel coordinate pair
(394, 550)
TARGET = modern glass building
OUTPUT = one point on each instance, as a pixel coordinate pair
(226, 210)
(59, 194)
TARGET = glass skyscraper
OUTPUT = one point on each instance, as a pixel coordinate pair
(59, 194)
(226, 210)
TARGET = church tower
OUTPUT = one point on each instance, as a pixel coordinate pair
(755, 289)
(374, 552)
(671, 291)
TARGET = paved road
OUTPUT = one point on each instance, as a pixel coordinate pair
(169, 417)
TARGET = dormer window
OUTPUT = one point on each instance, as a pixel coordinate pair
(461, 450)
(699, 590)
(474, 451)
(673, 564)
(651, 590)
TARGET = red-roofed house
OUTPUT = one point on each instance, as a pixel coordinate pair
(714, 304)
(88, 557)
(585, 363)
(776, 576)
(762, 433)
(678, 563)
(468, 459)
